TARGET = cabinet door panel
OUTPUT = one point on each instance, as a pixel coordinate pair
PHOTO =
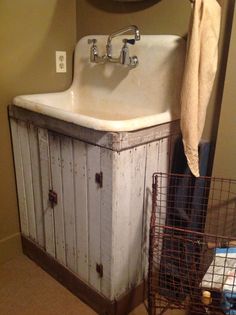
(28, 178)
(94, 215)
(152, 161)
(45, 173)
(59, 221)
(81, 207)
(20, 178)
(37, 185)
(107, 162)
(137, 178)
(69, 201)
(120, 224)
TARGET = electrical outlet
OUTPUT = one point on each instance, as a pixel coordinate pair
(60, 61)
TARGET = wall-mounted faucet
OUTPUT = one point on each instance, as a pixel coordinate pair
(94, 56)
(124, 58)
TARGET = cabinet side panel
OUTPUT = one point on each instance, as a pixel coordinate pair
(138, 166)
(107, 157)
(81, 207)
(94, 215)
(19, 178)
(152, 161)
(45, 174)
(69, 201)
(34, 152)
(27, 170)
(120, 223)
(163, 166)
(59, 223)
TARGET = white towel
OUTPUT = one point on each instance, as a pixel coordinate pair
(199, 74)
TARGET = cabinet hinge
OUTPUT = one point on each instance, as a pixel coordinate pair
(99, 269)
(99, 179)
(52, 197)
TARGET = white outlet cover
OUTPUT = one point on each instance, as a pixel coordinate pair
(61, 61)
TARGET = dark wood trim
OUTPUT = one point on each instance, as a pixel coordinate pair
(125, 304)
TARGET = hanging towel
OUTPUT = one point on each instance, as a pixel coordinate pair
(199, 74)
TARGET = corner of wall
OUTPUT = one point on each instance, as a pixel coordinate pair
(10, 247)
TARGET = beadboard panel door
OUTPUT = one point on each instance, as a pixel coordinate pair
(21, 191)
(97, 225)
(74, 230)
(81, 208)
(46, 186)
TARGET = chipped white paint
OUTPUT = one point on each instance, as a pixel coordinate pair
(81, 207)
(36, 181)
(89, 225)
(107, 159)
(120, 223)
(46, 185)
(94, 215)
(152, 160)
(27, 171)
(137, 166)
(68, 201)
(56, 169)
(20, 178)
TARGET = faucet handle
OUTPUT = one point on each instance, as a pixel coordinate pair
(129, 41)
(92, 41)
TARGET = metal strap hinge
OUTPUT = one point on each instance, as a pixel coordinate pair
(99, 179)
(52, 197)
(99, 269)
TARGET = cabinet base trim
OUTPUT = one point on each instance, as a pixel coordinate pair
(125, 304)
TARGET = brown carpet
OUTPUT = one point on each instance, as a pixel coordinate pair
(25, 289)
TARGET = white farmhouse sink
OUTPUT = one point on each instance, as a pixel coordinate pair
(112, 97)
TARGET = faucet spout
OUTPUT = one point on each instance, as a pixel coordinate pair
(124, 58)
(130, 28)
(125, 30)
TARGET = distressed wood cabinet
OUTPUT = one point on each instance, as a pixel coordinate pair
(85, 196)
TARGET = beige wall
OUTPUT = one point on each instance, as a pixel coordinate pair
(152, 17)
(30, 32)
(156, 17)
(225, 155)
(213, 112)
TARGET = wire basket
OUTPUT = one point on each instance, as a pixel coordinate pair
(192, 253)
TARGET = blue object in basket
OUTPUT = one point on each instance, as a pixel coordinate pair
(226, 250)
(229, 303)
(228, 296)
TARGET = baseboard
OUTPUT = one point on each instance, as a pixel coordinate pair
(10, 247)
(103, 306)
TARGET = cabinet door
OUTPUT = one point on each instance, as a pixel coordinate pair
(83, 213)
(76, 227)
(46, 186)
(70, 182)
(31, 161)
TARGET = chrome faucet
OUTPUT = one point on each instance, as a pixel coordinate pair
(124, 30)
(94, 56)
(124, 58)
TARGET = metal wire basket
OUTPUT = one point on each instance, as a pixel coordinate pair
(192, 253)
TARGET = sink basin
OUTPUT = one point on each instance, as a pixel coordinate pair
(112, 97)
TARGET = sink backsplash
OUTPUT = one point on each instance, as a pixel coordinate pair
(154, 84)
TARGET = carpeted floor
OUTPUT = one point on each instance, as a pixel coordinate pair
(25, 289)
